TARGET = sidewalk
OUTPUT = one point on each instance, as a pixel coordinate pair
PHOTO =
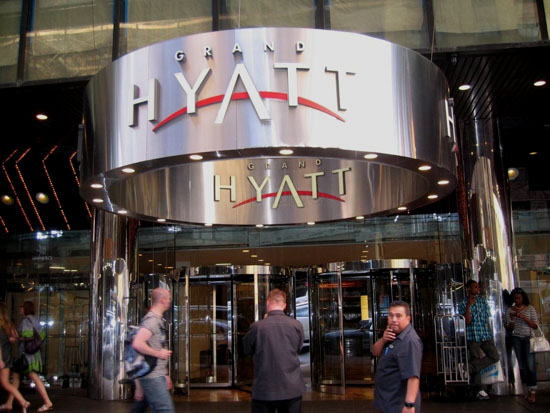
(69, 400)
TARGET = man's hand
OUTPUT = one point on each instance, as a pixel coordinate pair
(164, 354)
(168, 382)
(389, 335)
(408, 409)
(471, 300)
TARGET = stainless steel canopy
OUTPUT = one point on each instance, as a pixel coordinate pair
(237, 98)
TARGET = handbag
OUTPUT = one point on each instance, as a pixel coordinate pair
(32, 345)
(20, 364)
(538, 343)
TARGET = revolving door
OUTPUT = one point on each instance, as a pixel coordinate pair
(349, 308)
(216, 307)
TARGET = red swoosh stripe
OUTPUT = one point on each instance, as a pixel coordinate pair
(242, 96)
(288, 193)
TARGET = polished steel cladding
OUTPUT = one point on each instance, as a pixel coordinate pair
(109, 306)
(237, 98)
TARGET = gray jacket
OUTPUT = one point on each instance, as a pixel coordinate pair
(275, 342)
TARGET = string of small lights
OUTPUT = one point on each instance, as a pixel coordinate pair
(4, 225)
(27, 189)
(52, 186)
(14, 191)
(78, 181)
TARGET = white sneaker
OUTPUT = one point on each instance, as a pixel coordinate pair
(482, 395)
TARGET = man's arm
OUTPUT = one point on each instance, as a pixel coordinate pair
(140, 344)
(413, 384)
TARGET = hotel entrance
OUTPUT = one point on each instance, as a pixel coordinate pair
(349, 308)
(343, 308)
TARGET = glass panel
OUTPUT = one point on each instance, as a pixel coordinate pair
(62, 308)
(210, 356)
(69, 38)
(149, 22)
(250, 292)
(181, 336)
(328, 374)
(267, 13)
(399, 21)
(10, 20)
(473, 22)
(357, 316)
(547, 11)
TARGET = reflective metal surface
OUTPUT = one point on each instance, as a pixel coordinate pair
(237, 98)
(492, 261)
(109, 294)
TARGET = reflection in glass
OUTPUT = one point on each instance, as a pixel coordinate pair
(72, 38)
(267, 13)
(472, 22)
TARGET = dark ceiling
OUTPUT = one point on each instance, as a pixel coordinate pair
(502, 87)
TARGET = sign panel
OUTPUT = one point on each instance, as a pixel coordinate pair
(267, 126)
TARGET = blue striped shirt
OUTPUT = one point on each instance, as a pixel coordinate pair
(478, 330)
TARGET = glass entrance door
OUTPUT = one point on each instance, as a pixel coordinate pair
(210, 333)
(250, 290)
(327, 349)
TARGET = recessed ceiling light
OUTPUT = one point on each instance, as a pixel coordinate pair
(195, 157)
(365, 251)
(41, 116)
(311, 223)
(208, 224)
(150, 260)
(360, 217)
(7, 200)
(532, 153)
(97, 200)
(433, 196)
(513, 173)
(128, 170)
(42, 198)
(254, 256)
(122, 211)
(402, 208)
(261, 260)
(96, 186)
(424, 167)
(259, 225)
(370, 156)
(540, 83)
(286, 151)
(464, 87)
(223, 263)
(267, 263)
(246, 251)
(161, 220)
(443, 182)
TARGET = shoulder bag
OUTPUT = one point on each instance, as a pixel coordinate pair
(538, 343)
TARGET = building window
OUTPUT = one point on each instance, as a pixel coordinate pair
(69, 38)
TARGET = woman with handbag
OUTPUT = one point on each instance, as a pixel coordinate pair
(26, 333)
(8, 335)
(521, 319)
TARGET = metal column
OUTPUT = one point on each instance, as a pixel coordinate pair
(109, 291)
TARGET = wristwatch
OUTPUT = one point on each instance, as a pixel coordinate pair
(409, 405)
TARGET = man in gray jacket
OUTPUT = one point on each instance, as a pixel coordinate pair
(275, 343)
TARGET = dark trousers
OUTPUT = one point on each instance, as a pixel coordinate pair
(481, 354)
(526, 361)
(279, 406)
